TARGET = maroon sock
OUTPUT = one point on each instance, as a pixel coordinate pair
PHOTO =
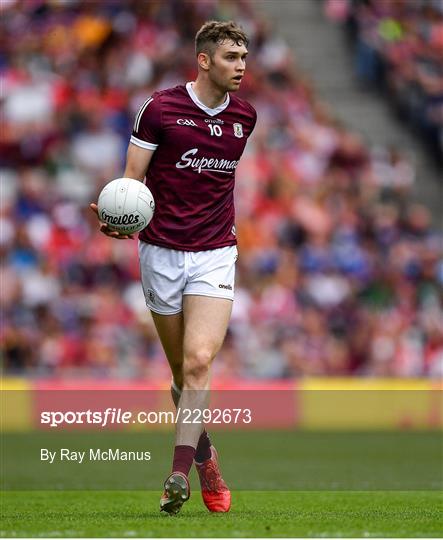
(183, 458)
(203, 451)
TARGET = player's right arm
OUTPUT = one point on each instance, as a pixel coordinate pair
(137, 163)
(145, 138)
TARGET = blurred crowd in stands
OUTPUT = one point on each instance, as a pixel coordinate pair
(340, 273)
(399, 50)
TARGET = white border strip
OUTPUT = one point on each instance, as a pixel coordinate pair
(143, 144)
(202, 106)
(140, 113)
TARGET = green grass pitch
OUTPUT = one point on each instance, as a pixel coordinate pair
(284, 483)
(259, 514)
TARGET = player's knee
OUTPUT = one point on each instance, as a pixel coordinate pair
(196, 369)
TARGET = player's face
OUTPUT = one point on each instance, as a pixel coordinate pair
(227, 66)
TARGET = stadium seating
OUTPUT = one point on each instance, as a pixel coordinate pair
(340, 272)
(398, 50)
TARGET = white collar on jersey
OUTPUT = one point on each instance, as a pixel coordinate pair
(202, 106)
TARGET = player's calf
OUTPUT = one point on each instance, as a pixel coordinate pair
(203, 450)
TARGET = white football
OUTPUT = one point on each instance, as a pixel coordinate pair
(126, 205)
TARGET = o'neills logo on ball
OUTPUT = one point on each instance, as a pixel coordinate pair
(124, 219)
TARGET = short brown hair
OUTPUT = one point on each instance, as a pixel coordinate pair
(213, 33)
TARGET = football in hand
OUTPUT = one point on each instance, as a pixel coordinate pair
(126, 205)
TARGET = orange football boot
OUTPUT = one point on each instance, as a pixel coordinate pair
(215, 492)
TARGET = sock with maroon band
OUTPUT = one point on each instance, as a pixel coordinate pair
(183, 458)
(203, 451)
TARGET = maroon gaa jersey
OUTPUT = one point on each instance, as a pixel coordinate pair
(192, 171)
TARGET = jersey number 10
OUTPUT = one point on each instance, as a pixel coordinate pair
(215, 130)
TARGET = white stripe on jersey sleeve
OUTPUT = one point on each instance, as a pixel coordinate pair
(143, 144)
(140, 113)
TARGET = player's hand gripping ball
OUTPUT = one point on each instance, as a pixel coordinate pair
(126, 205)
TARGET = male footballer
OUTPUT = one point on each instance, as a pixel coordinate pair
(187, 142)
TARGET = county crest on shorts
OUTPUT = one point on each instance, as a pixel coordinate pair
(238, 130)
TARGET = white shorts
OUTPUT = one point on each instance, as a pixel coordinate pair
(168, 274)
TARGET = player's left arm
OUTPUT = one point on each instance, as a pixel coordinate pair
(254, 118)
